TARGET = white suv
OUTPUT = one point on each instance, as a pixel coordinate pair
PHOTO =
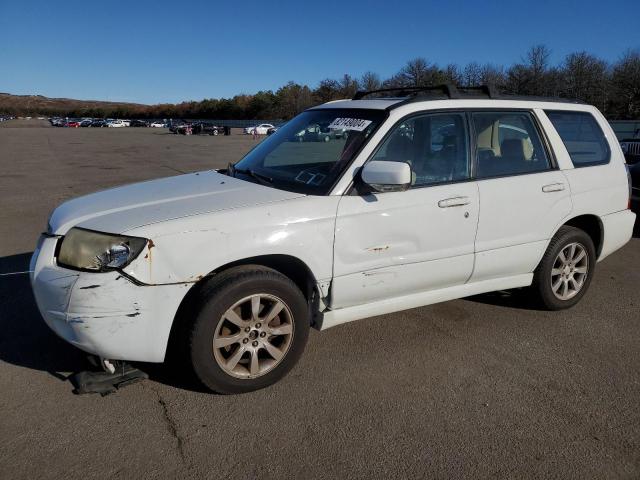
(428, 197)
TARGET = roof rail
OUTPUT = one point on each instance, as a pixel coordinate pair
(418, 94)
(488, 90)
(447, 89)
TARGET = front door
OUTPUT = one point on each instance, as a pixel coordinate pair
(398, 243)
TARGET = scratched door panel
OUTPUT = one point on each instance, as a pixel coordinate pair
(397, 243)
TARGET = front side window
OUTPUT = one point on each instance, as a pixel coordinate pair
(309, 153)
(582, 136)
(507, 143)
(434, 145)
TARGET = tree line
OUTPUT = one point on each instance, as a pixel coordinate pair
(612, 87)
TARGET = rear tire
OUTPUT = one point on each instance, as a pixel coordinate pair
(564, 274)
(250, 328)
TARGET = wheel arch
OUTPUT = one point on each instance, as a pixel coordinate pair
(591, 225)
(292, 267)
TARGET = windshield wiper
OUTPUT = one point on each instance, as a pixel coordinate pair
(263, 179)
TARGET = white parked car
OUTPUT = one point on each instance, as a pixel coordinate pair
(116, 123)
(158, 124)
(259, 129)
(424, 200)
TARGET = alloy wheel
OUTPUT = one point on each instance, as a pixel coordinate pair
(253, 336)
(569, 271)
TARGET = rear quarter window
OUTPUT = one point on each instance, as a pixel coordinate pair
(582, 136)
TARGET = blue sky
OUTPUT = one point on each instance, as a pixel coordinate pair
(152, 52)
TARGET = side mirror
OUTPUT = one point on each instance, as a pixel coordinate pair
(386, 176)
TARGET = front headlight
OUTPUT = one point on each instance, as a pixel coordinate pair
(87, 250)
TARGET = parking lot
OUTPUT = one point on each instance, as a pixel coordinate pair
(483, 387)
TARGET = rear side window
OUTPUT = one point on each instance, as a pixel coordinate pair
(507, 143)
(582, 136)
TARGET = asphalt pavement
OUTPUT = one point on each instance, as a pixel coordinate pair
(483, 387)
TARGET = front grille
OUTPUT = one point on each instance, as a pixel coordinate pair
(631, 150)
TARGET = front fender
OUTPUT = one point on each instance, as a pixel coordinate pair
(186, 249)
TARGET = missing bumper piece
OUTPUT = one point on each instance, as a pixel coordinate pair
(106, 382)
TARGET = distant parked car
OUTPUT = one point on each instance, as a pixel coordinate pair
(204, 128)
(86, 123)
(98, 123)
(175, 124)
(634, 172)
(72, 124)
(318, 133)
(184, 129)
(158, 124)
(116, 124)
(259, 129)
(272, 130)
(138, 123)
(631, 148)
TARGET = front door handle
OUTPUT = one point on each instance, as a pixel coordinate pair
(453, 202)
(553, 187)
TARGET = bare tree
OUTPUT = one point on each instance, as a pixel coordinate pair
(419, 73)
(533, 75)
(537, 60)
(293, 99)
(471, 75)
(452, 74)
(328, 89)
(585, 76)
(614, 89)
(348, 86)
(492, 75)
(626, 79)
(370, 81)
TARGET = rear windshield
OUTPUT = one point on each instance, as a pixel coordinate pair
(310, 152)
(582, 136)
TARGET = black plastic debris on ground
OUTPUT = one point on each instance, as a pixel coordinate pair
(106, 383)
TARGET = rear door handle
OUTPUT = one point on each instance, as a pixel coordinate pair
(553, 187)
(453, 202)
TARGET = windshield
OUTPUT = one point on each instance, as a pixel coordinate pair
(310, 152)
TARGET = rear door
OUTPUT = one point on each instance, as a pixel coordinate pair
(523, 196)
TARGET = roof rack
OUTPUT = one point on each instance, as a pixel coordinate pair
(447, 90)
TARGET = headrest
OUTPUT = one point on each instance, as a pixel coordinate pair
(519, 148)
(399, 148)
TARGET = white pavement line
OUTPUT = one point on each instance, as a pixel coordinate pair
(15, 273)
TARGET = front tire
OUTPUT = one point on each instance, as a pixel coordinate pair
(250, 329)
(566, 269)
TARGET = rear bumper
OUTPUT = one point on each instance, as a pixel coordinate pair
(618, 230)
(104, 313)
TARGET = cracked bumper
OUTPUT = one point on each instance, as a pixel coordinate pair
(104, 313)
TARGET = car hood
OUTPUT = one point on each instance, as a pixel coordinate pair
(123, 208)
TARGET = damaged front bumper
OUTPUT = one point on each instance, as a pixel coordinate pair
(105, 314)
